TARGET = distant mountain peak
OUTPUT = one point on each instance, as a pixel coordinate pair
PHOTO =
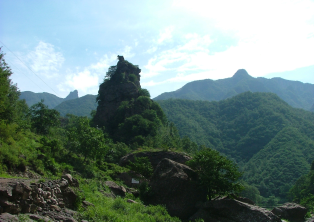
(72, 95)
(241, 74)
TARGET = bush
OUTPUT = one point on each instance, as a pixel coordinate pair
(216, 173)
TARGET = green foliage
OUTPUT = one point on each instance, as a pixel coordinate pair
(217, 173)
(133, 78)
(42, 118)
(142, 166)
(118, 210)
(272, 143)
(144, 92)
(85, 140)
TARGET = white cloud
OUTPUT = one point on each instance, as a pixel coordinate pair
(87, 80)
(271, 36)
(82, 80)
(44, 60)
(165, 35)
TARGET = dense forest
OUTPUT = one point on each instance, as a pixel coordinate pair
(272, 142)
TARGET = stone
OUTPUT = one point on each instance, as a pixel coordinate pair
(227, 209)
(6, 217)
(86, 203)
(68, 177)
(55, 207)
(131, 201)
(39, 218)
(175, 185)
(115, 188)
(290, 212)
(155, 157)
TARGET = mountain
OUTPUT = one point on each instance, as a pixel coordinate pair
(272, 142)
(50, 100)
(295, 93)
(80, 106)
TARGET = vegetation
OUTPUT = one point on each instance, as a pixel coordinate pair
(217, 173)
(303, 190)
(38, 141)
(271, 142)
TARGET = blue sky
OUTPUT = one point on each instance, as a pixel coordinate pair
(58, 46)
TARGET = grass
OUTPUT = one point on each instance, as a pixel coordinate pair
(118, 210)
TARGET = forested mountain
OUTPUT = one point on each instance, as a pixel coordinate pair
(270, 140)
(80, 106)
(295, 93)
(50, 100)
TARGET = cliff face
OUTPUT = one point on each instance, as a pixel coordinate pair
(122, 84)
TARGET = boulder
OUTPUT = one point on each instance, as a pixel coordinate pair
(115, 188)
(155, 157)
(6, 217)
(69, 197)
(227, 209)
(290, 212)
(175, 185)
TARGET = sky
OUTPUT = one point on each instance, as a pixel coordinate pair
(57, 46)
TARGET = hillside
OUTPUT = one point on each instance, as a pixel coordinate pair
(270, 140)
(80, 106)
(50, 100)
(295, 93)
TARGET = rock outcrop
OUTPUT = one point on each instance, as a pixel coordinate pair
(227, 209)
(155, 157)
(175, 186)
(290, 212)
(72, 95)
(111, 95)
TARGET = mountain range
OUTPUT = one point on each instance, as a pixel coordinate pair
(295, 93)
(50, 100)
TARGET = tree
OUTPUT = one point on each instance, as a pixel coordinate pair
(217, 173)
(85, 140)
(42, 118)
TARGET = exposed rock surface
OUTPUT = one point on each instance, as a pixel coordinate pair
(115, 188)
(155, 157)
(290, 211)
(175, 185)
(42, 198)
(226, 209)
(111, 96)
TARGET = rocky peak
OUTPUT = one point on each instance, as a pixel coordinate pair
(72, 95)
(240, 75)
(122, 83)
